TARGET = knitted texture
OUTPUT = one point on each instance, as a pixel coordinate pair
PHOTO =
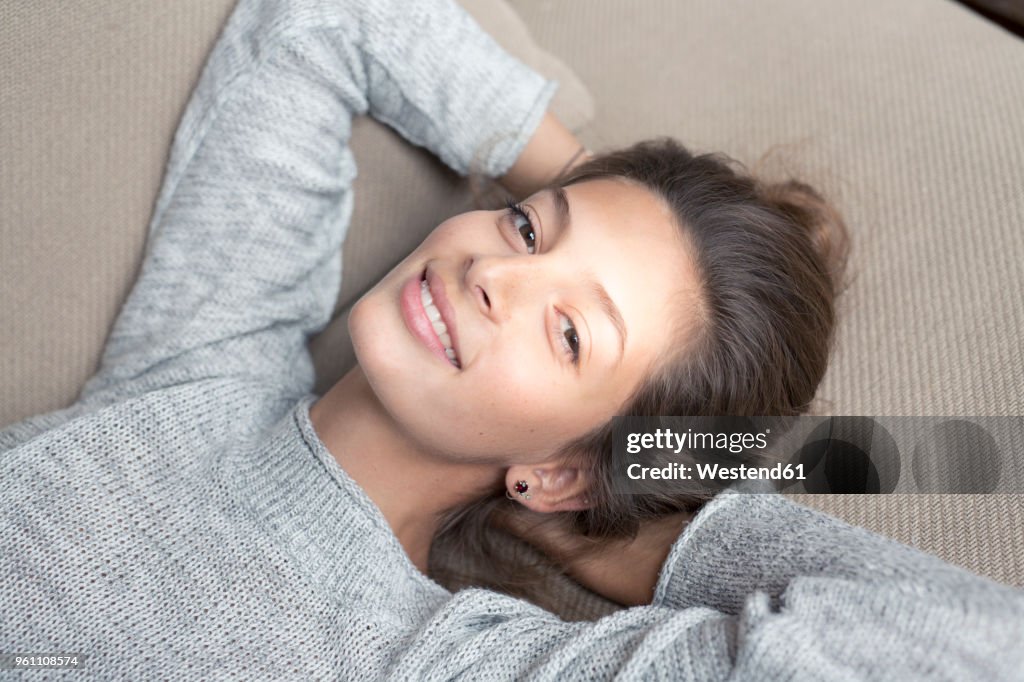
(183, 519)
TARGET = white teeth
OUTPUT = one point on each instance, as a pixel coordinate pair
(434, 315)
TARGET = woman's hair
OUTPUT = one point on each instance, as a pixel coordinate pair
(770, 260)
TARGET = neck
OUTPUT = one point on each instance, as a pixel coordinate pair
(411, 487)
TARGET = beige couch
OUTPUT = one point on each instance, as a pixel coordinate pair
(909, 113)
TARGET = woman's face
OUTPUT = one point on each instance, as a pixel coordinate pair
(522, 298)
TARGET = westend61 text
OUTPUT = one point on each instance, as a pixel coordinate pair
(716, 472)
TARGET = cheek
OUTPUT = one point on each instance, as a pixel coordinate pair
(451, 230)
(521, 401)
(365, 330)
(463, 234)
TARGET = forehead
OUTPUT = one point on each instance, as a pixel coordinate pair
(623, 201)
(626, 237)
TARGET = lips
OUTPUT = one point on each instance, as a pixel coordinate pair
(444, 306)
(417, 322)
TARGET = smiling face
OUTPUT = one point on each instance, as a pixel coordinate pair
(521, 296)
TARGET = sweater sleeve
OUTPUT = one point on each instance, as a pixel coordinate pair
(742, 542)
(757, 588)
(242, 260)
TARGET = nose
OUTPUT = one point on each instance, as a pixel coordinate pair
(499, 284)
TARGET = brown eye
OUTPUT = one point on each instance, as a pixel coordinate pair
(570, 339)
(525, 229)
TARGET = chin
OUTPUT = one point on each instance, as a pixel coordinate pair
(383, 349)
(400, 373)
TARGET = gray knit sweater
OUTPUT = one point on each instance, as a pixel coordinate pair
(183, 519)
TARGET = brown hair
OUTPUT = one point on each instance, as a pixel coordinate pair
(771, 260)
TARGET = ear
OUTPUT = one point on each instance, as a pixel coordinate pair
(551, 487)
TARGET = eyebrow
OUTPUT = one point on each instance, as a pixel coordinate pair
(596, 289)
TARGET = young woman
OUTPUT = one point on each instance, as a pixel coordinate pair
(200, 512)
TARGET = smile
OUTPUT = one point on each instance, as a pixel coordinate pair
(435, 319)
(425, 317)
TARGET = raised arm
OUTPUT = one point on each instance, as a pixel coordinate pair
(756, 588)
(552, 150)
(242, 261)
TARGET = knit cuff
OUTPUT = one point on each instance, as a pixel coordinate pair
(671, 589)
